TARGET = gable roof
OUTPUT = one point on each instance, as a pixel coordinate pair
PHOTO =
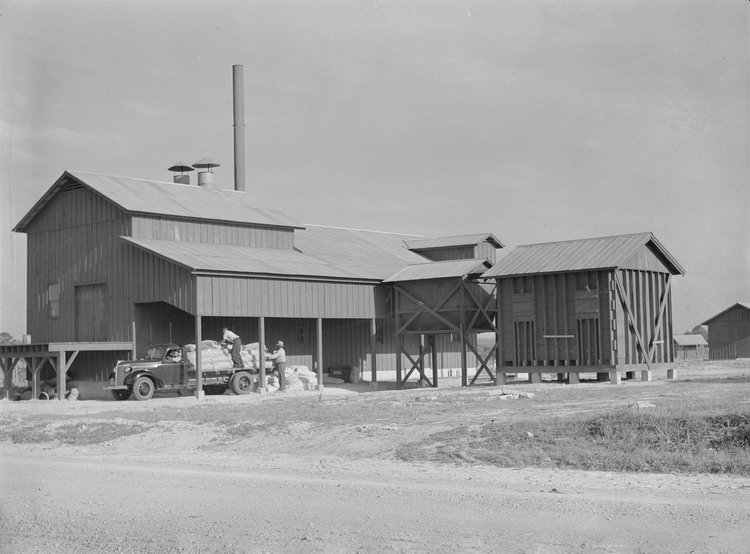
(580, 255)
(690, 340)
(440, 270)
(140, 196)
(445, 242)
(745, 305)
(320, 252)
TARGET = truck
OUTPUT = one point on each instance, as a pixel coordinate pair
(166, 367)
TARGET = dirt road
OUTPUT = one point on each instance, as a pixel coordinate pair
(318, 474)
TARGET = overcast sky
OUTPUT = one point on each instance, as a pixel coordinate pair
(536, 121)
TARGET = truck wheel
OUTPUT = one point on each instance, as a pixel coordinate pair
(214, 389)
(241, 383)
(143, 388)
(121, 394)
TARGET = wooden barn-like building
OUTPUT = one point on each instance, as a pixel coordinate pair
(600, 305)
(116, 264)
(729, 333)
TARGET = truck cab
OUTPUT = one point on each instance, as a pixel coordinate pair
(164, 367)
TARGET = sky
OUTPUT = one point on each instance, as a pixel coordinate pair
(535, 121)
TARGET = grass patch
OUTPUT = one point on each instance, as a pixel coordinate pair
(79, 433)
(656, 440)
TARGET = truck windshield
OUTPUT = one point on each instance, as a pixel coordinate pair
(156, 352)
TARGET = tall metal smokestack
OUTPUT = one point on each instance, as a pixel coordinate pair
(238, 82)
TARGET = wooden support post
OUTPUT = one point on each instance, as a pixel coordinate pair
(400, 340)
(199, 393)
(319, 340)
(420, 361)
(7, 378)
(573, 378)
(373, 352)
(462, 339)
(614, 377)
(646, 375)
(535, 377)
(433, 346)
(62, 370)
(262, 355)
(35, 366)
(501, 379)
(134, 353)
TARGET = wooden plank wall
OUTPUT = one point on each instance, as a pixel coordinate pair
(74, 240)
(554, 320)
(448, 253)
(729, 335)
(240, 296)
(212, 232)
(645, 289)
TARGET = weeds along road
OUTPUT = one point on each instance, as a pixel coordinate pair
(53, 504)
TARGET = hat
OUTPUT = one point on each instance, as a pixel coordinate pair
(280, 343)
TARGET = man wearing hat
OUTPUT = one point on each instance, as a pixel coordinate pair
(279, 362)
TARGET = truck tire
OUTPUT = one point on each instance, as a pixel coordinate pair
(242, 383)
(121, 394)
(143, 388)
(215, 389)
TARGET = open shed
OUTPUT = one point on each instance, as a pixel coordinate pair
(599, 305)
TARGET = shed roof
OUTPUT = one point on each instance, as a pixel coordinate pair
(320, 252)
(690, 340)
(140, 196)
(445, 242)
(745, 305)
(579, 255)
(440, 270)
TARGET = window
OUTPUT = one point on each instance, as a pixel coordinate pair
(53, 299)
(303, 331)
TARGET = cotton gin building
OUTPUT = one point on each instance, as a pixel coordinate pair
(600, 305)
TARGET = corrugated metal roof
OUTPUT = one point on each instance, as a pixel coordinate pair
(439, 270)
(168, 199)
(238, 259)
(690, 340)
(745, 305)
(577, 255)
(319, 252)
(444, 242)
(377, 254)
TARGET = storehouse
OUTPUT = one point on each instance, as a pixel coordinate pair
(729, 333)
(594, 305)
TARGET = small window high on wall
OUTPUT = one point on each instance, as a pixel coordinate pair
(53, 299)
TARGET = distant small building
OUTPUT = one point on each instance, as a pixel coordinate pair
(690, 347)
(729, 333)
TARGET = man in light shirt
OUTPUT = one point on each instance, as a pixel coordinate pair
(279, 362)
(230, 337)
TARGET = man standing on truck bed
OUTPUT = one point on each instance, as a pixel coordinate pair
(279, 362)
(227, 337)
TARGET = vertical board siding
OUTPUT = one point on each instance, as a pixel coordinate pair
(74, 240)
(729, 334)
(234, 234)
(645, 290)
(242, 296)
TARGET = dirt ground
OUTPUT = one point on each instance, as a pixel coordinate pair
(321, 472)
